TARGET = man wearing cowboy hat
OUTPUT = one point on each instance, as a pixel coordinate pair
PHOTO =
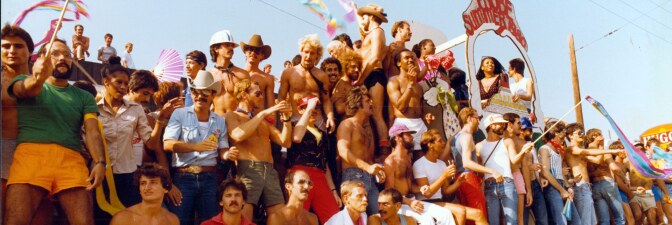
(221, 53)
(373, 76)
(197, 136)
(255, 52)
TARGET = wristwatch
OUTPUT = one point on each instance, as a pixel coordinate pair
(102, 161)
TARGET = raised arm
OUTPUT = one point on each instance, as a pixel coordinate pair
(283, 138)
(377, 52)
(398, 99)
(593, 152)
(32, 86)
(284, 84)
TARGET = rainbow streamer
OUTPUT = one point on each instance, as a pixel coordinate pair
(639, 160)
(50, 32)
(75, 6)
(318, 7)
(350, 10)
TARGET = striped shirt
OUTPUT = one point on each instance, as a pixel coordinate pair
(556, 162)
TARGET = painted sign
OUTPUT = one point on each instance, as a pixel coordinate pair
(662, 133)
(496, 15)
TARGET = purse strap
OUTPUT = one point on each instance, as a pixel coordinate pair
(493, 150)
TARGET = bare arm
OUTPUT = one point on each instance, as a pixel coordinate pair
(344, 138)
(514, 155)
(32, 86)
(94, 142)
(269, 94)
(100, 55)
(592, 152)
(283, 138)
(433, 187)
(300, 128)
(545, 159)
(467, 150)
(284, 84)
(530, 91)
(377, 54)
(397, 99)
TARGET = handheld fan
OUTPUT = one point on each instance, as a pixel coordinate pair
(169, 67)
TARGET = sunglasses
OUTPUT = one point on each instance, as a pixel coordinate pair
(205, 92)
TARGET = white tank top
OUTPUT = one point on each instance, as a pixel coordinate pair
(520, 88)
(499, 161)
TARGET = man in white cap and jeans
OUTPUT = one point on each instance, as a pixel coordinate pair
(495, 154)
(222, 46)
(197, 136)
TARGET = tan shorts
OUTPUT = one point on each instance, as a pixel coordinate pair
(645, 200)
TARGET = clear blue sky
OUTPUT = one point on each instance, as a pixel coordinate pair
(629, 71)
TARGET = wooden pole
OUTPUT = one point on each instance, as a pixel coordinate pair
(58, 25)
(575, 79)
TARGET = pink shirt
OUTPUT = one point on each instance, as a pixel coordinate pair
(217, 220)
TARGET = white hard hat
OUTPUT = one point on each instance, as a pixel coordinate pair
(222, 36)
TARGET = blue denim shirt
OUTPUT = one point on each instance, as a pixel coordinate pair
(183, 126)
(188, 102)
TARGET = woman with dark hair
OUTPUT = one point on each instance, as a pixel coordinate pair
(490, 78)
(423, 49)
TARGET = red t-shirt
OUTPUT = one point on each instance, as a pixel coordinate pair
(217, 220)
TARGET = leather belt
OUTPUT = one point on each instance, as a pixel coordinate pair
(196, 169)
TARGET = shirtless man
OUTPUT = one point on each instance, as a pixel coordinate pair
(406, 97)
(643, 204)
(373, 52)
(153, 182)
(621, 180)
(305, 80)
(401, 32)
(521, 177)
(255, 52)
(352, 67)
(389, 203)
(80, 43)
(298, 185)
(577, 158)
(605, 192)
(221, 52)
(334, 70)
(355, 146)
(17, 45)
(231, 193)
(253, 139)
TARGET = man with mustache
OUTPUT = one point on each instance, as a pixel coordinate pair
(197, 137)
(47, 160)
(222, 48)
(253, 136)
(332, 67)
(352, 67)
(389, 203)
(153, 181)
(298, 185)
(255, 52)
(355, 201)
(406, 97)
(305, 79)
(495, 154)
(401, 32)
(356, 146)
(232, 195)
(80, 43)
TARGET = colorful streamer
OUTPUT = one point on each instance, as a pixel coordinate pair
(639, 160)
(75, 6)
(350, 10)
(318, 7)
(50, 32)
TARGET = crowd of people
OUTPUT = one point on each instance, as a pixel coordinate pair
(363, 138)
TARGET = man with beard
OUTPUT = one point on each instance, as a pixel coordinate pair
(521, 176)
(406, 97)
(195, 61)
(352, 66)
(47, 160)
(355, 146)
(605, 192)
(197, 137)
(154, 182)
(355, 201)
(305, 79)
(253, 136)
(298, 184)
(332, 67)
(496, 154)
(373, 52)
(577, 158)
(389, 203)
(80, 43)
(232, 195)
(401, 32)
(221, 53)
(255, 52)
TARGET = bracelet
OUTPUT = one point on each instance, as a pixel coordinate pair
(287, 120)
(102, 161)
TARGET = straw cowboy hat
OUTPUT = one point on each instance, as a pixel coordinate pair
(205, 80)
(256, 42)
(374, 10)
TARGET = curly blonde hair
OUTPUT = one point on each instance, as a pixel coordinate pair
(349, 56)
(313, 41)
(354, 100)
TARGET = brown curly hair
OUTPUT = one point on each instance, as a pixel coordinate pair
(354, 101)
(166, 92)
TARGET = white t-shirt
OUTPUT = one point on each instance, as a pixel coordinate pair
(107, 52)
(129, 60)
(499, 161)
(520, 88)
(431, 170)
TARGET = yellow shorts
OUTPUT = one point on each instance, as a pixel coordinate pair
(49, 166)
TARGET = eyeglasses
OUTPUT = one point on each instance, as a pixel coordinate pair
(58, 53)
(205, 92)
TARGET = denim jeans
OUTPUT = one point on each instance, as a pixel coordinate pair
(199, 192)
(555, 205)
(369, 183)
(607, 198)
(583, 199)
(538, 206)
(501, 195)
